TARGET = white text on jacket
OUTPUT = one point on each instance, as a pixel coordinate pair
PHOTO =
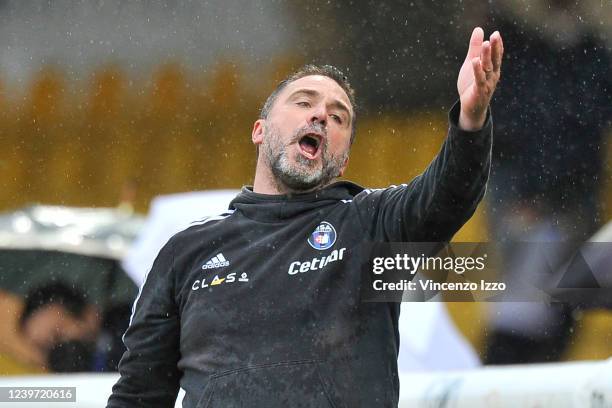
(315, 263)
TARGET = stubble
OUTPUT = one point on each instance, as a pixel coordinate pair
(302, 174)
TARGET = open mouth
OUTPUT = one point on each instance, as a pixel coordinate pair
(310, 145)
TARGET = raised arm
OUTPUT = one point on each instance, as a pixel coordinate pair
(434, 205)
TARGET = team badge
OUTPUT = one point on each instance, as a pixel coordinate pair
(323, 237)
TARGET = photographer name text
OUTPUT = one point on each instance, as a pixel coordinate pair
(431, 285)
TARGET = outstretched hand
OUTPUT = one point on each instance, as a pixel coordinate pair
(478, 78)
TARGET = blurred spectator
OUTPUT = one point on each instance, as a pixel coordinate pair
(63, 292)
(552, 112)
(62, 326)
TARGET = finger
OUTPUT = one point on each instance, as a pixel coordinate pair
(496, 50)
(475, 43)
(479, 75)
(485, 57)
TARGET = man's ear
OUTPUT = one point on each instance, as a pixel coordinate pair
(257, 134)
(344, 166)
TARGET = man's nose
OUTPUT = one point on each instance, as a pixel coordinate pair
(319, 115)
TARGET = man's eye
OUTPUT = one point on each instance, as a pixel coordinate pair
(336, 118)
(303, 103)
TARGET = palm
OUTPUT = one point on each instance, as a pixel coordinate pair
(468, 95)
(478, 77)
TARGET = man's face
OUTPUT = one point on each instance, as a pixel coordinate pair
(305, 139)
(53, 323)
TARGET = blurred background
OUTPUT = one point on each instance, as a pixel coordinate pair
(111, 103)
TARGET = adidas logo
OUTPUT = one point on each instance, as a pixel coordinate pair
(216, 261)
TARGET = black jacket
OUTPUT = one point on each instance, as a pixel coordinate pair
(254, 308)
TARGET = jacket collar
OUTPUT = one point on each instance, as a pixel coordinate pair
(277, 208)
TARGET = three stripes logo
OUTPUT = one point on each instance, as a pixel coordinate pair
(216, 261)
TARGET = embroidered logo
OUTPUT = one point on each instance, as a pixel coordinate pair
(323, 237)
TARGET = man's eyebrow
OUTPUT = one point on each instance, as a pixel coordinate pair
(314, 93)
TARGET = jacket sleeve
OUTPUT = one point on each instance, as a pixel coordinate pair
(148, 368)
(433, 206)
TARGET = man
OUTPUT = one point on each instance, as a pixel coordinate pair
(260, 306)
(59, 324)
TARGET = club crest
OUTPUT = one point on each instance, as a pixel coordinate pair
(323, 237)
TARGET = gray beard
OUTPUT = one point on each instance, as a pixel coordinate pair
(304, 175)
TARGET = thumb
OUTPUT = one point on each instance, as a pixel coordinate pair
(475, 43)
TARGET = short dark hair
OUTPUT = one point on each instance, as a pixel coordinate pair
(307, 70)
(72, 299)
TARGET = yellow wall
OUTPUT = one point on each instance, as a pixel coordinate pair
(78, 142)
